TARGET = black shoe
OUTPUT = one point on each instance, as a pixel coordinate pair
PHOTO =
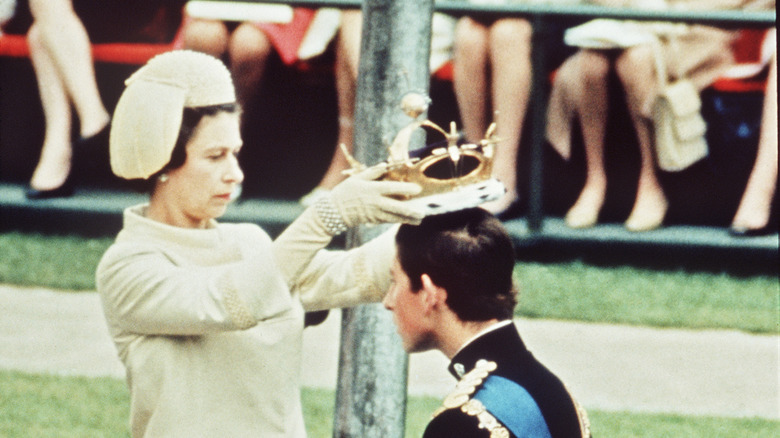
(96, 141)
(90, 156)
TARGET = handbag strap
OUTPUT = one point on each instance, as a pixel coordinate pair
(660, 64)
(661, 67)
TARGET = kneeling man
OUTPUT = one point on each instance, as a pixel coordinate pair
(452, 291)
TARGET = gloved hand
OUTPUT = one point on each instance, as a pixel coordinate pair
(360, 199)
(357, 200)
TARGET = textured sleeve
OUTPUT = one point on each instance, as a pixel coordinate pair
(143, 291)
(335, 279)
(299, 243)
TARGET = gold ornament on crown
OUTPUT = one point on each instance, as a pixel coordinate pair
(444, 169)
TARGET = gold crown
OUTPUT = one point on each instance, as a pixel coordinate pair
(459, 172)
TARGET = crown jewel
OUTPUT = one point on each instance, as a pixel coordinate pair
(453, 174)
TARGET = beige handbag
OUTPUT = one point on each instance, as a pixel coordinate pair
(679, 127)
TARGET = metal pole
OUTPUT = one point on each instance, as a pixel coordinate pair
(395, 49)
(538, 114)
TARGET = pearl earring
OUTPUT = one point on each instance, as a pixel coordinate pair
(163, 177)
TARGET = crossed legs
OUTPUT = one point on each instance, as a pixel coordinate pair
(61, 57)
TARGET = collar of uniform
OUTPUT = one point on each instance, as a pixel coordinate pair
(486, 345)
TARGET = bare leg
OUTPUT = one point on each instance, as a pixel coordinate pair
(61, 56)
(63, 35)
(207, 36)
(55, 160)
(347, 59)
(510, 59)
(470, 76)
(589, 91)
(349, 39)
(651, 204)
(755, 206)
(249, 50)
(345, 91)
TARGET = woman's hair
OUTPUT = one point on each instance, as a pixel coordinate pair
(468, 253)
(191, 117)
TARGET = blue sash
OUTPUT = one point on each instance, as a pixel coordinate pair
(513, 406)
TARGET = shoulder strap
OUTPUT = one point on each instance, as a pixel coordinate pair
(513, 406)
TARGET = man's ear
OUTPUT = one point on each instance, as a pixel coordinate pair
(434, 295)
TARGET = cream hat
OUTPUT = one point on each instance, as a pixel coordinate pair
(148, 117)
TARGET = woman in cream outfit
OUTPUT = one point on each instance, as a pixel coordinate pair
(208, 317)
(700, 53)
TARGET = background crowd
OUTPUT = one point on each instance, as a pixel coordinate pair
(487, 68)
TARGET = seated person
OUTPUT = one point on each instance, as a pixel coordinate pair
(452, 291)
(248, 45)
(699, 53)
(346, 72)
(492, 80)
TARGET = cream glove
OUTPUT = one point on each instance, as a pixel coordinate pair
(357, 200)
(360, 199)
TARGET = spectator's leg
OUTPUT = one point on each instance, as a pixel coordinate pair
(349, 39)
(470, 76)
(755, 207)
(346, 71)
(55, 159)
(249, 49)
(510, 60)
(63, 36)
(633, 68)
(588, 89)
(207, 36)
(346, 84)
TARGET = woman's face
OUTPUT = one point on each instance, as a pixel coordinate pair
(202, 188)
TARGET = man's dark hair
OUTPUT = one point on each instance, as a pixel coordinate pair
(468, 253)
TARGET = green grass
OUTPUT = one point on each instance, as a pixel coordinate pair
(48, 406)
(60, 262)
(36, 406)
(570, 290)
(648, 296)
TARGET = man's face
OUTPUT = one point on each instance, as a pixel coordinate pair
(409, 312)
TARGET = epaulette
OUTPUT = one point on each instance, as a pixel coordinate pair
(462, 398)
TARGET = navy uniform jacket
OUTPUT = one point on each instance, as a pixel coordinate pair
(505, 392)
